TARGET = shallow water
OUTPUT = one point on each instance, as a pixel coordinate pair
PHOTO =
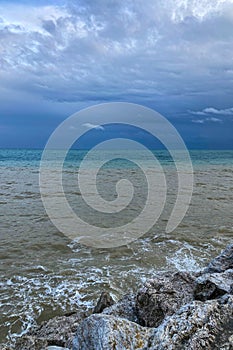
(43, 273)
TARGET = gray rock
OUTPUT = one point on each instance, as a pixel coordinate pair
(124, 308)
(195, 326)
(179, 310)
(212, 286)
(104, 301)
(224, 339)
(222, 262)
(28, 342)
(106, 332)
(59, 332)
(162, 296)
(56, 348)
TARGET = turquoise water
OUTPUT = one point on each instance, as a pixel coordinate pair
(44, 273)
(27, 157)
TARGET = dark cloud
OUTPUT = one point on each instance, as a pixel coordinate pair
(173, 55)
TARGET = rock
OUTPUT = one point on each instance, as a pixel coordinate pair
(230, 339)
(162, 296)
(60, 330)
(106, 332)
(104, 301)
(172, 311)
(56, 348)
(222, 262)
(212, 286)
(57, 332)
(194, 326)
(30, 343)
(124, 308)
(224, 339)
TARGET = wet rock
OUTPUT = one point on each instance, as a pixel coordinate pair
(56, 348)
(105, 332)
(171, 311)
(124, 308)
(57, 332)
(212, 286)
(162, 296)
(30, 343)
(194, 326)
(222, 262)
(224, 339)
(104, 301)
(60, 330)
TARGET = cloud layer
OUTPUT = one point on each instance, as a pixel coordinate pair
(173, 55)
(99, 50)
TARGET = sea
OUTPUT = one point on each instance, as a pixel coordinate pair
(45, 273)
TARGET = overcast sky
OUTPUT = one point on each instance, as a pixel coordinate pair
(175, 56)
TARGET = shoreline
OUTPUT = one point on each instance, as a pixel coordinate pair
(179, 310)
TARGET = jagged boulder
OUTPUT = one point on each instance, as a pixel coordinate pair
(56, 348)
(28, 342)
(162, 296)
(211, 286)
(171, 311)
(60, 330)
(124, 308)
(168, 314)
(57, 332)
(104, 301)
(194, 326)
(106, 332)
(222, 262)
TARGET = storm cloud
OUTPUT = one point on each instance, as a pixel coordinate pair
(174, 56)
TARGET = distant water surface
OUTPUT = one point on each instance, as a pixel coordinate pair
(44, 274)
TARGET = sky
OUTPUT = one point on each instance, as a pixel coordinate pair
(174, 56)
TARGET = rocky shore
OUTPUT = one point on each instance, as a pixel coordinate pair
(171, 311)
